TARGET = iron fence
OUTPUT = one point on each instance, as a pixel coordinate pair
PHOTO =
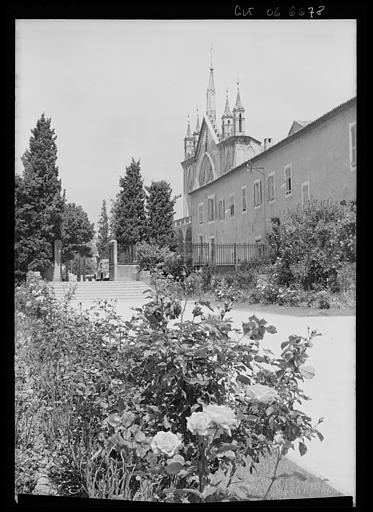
(226, 254)
(204, 253)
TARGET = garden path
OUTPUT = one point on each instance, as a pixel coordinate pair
(332, 390)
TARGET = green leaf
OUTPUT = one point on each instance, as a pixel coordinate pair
(243, 379)
(177, 458)
(225, 447)
(284, 344)
(271, 329)
(307, 371)
(173, 468)
(209, 491)
(299, 475)
(302, 448)
(319, 435)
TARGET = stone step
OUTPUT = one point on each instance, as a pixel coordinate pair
(91, 291)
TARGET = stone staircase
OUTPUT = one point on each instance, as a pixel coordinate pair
(87, 291)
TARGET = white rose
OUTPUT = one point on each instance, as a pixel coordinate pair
(166, 443)
(199, 423)
(222, 416)
(262, 393)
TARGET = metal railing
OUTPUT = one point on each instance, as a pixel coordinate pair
(226, 254)
(204, 253)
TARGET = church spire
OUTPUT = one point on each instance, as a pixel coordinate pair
(210, 97)
(189, 133)
(227, 111)
(227, 120)
(188, 142)
(238, 105)
(239, 114)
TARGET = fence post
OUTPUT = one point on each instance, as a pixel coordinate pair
(113, 260)
(235, 254)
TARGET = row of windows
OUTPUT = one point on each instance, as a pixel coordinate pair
(217, 209)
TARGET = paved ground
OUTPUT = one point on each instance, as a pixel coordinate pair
(332, 390)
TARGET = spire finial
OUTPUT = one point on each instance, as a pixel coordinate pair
(197, 123)
(238, 100)
(211, 50)
(188, 130)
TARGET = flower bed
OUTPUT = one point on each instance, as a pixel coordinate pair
(143, 409)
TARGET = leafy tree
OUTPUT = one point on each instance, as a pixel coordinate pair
(38, 202)
(160, 213)
(77, 232)
(103, 233)
(313, 242)
(129, 210)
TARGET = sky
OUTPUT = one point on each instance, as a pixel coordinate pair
(117, 89)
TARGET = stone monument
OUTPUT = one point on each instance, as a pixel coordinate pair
(57, 261)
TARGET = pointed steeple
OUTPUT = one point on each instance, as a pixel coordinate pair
(227, 120)
(238, 105)
(189, 133)
(188, 142)
(210, 103)
(239, 114)
(197, 123)
(227, 111)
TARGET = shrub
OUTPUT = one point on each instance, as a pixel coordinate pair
(312, 242)
(145, 408)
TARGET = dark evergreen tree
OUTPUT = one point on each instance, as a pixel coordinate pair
(38, 202)
(129, 211)
(103, 233)
(77, 232)
(160, 213)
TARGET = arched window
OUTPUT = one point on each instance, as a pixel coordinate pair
(240, 123)
(206, 173)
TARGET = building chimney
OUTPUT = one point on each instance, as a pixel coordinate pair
(267, 143)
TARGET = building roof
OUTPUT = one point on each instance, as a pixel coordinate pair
(289, 138)
(297, 125)
(307, 127)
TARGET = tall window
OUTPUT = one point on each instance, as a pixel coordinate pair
(271, 187)
(243, 199)
(221, 209)
(240, 123)
(210, 208)
(258, 199)
(200, 213)
(231, 206)
(352, 145)
(305, 192)
(288, 181)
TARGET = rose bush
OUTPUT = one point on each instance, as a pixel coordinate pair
(153, 406)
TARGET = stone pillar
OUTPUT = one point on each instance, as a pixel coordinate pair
(113, 260)
(57, 261)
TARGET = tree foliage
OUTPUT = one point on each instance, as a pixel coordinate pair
(38, 202)
(77, 232)
(129, 208)
(103, 233)
(312, 242)
(160, 213)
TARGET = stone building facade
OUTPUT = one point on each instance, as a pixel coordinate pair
(234, 184)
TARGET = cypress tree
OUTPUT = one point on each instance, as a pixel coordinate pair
(129, 211)
(103, 233)
(39, 203)
(160, 213)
